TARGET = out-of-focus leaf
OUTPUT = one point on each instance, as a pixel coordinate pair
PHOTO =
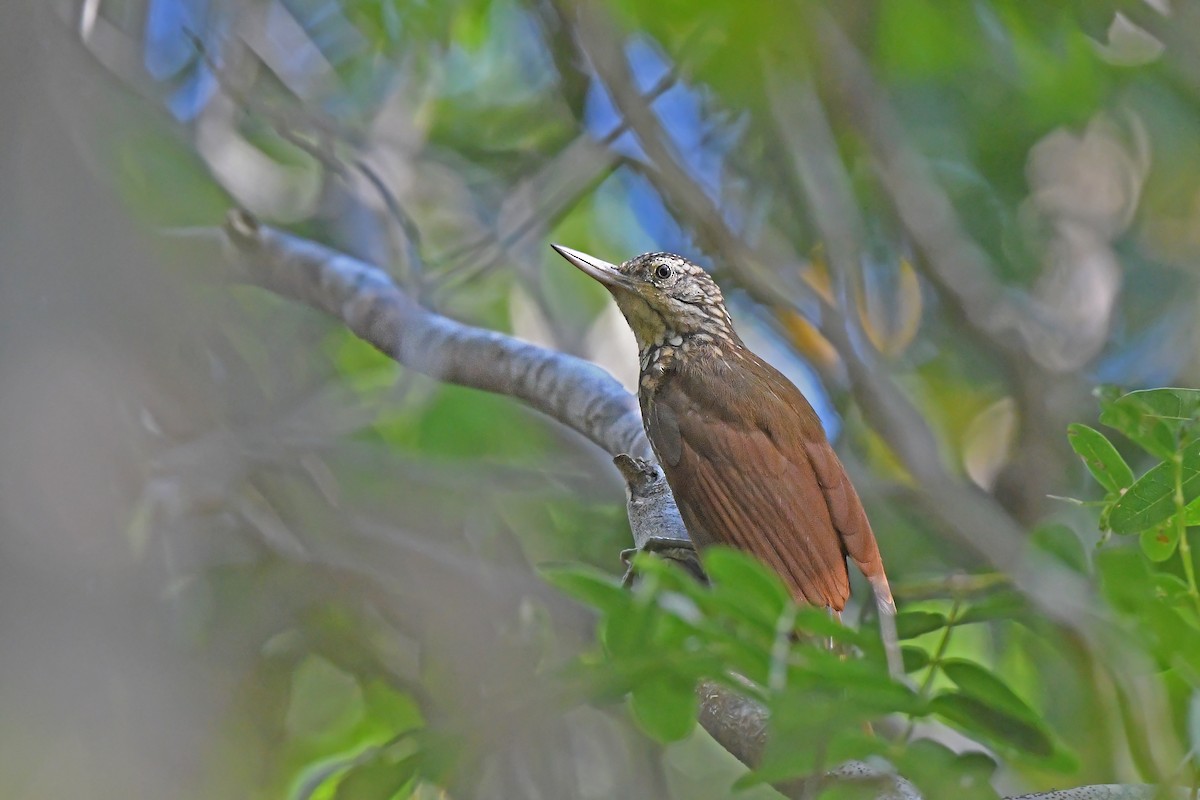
(1168, 586)
(793, 749)
(598, 589)
(1159, 542)
(1151, 499)
(972, 679)
(940, 772)
(325, 700)
(1100, 457)
(1137, 592)
(665, 705)
(816, 273)
(377, 779)
(890, 309)
(915, 658)
(921, 38)
(807, 340)
(988, 440)
(1060, 543)
(911, 624)
(802, 719)
(1125, 578)
(166, 184)
(995, 725)
(364, 367)
(627, 631)
(999, 605)
(745, 584)
(1154, 418)
(817, 623)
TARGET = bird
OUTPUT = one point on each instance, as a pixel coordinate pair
(742, 449)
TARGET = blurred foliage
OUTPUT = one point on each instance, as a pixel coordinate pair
(660, 639)
(353, 551)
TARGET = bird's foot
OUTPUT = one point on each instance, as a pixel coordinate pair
(679, 550)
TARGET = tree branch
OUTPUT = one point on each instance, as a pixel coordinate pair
(575, 392)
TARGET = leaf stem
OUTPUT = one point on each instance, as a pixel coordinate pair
(934, 663)
(940, 653)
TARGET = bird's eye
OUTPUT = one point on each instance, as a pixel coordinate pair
(663, 272)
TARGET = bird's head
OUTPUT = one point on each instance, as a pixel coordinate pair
(661, 295)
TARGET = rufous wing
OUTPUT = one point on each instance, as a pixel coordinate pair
(750, 467)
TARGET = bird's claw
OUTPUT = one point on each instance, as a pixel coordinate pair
(680, 550)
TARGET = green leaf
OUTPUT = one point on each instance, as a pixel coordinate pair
(911, 624)
(746, 585)
(999, 605)
(915, 658)
(789, 755)
(665, 706)
(974, 680)
(976, 717)
(1169, 587)
(628, 631)
(925, 39)
(802, 719)
(1100, 457)
(375, 780)
(589, 585)
(325, 701)
(1175, 407)
(1159, 542)
(817, 622)
(1154, 418)
(1060, 543)
(1151, 499)
(865, 686)
(940, 772)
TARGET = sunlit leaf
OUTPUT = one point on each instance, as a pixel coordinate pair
(890, 308)
(325, 701)
(988, 441)
(1176, 408)
(1168, 586)
(1151, 499)
(1100, 457)
(807, 340)
(376, 779)
(1159, 542)
(1154, 418)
